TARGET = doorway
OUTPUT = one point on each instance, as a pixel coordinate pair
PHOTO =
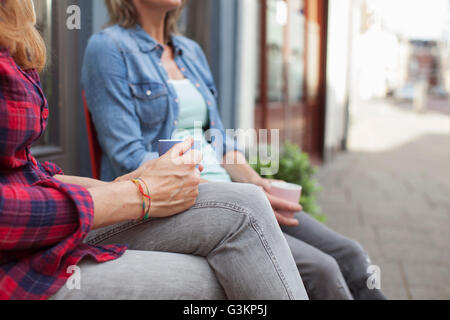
(292, 67)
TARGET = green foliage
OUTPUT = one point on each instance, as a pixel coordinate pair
(295, 167)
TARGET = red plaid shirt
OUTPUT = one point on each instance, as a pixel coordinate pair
(42, 221)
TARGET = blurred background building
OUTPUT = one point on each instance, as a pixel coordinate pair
(370, 77)
(294, 65)
(268, 59)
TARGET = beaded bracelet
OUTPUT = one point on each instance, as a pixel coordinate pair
(145, 213)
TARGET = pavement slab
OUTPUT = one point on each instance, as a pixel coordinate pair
(391, 192)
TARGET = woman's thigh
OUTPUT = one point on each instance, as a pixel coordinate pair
(234, 227)
(142, 275)
(320, 236)
(221, 210)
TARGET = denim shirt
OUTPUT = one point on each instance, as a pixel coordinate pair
(132, 103)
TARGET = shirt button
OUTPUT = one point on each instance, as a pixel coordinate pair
(45, 114)
(209, 103)
(183, 69)
(177, 101)
(175, 122)
(213, 123)
(197, 85)
(149, 92)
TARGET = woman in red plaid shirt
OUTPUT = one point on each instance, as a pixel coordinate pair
(51, 225)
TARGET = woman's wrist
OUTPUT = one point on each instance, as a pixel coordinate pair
(254, 179)
(144, 190)
(115, 203)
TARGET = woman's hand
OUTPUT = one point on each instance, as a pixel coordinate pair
(173, 180)
(279, 204)
(241, 171)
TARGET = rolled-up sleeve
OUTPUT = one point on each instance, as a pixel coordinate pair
(44, 215)
(52, 169)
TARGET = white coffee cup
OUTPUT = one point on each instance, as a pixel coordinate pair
(287, 191)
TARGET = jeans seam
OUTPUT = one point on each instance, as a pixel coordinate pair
(259, 231)
(115, 231)
(223, 205)
(254, 224)
(127, 226)
(130, 225)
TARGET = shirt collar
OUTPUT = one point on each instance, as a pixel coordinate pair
(147, 43)
(176, 43)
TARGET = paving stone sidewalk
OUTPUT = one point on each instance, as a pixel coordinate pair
(391, 192)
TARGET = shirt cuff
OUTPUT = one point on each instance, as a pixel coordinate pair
(52, 169)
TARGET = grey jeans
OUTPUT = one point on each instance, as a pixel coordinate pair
(227, 246)
(332, 266)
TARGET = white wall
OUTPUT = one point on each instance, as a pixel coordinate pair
(248, 49)
(338, 58)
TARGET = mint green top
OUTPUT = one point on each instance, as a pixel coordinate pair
(192, 120)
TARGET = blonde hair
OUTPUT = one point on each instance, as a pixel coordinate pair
(123, 13)
(19, 34)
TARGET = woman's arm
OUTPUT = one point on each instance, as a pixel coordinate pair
(115, 203)
(173, 181)
(81, 181)
(239, 170)
(28, 216)
(46, 214)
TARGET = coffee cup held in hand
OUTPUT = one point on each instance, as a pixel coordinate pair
(165, 145)
(287, 191)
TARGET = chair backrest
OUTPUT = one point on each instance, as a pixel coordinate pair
(94, 146)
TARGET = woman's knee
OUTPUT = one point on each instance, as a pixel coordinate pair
(236, 193)
(247, 197)
(327, 268)
(238, 205)
(253, 200)
(354, 251)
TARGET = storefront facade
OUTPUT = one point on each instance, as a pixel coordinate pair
(291, 72)
(268, 58)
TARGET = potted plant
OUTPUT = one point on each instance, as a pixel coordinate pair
(295, 167)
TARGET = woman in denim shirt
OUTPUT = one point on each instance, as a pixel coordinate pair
(144, 83)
